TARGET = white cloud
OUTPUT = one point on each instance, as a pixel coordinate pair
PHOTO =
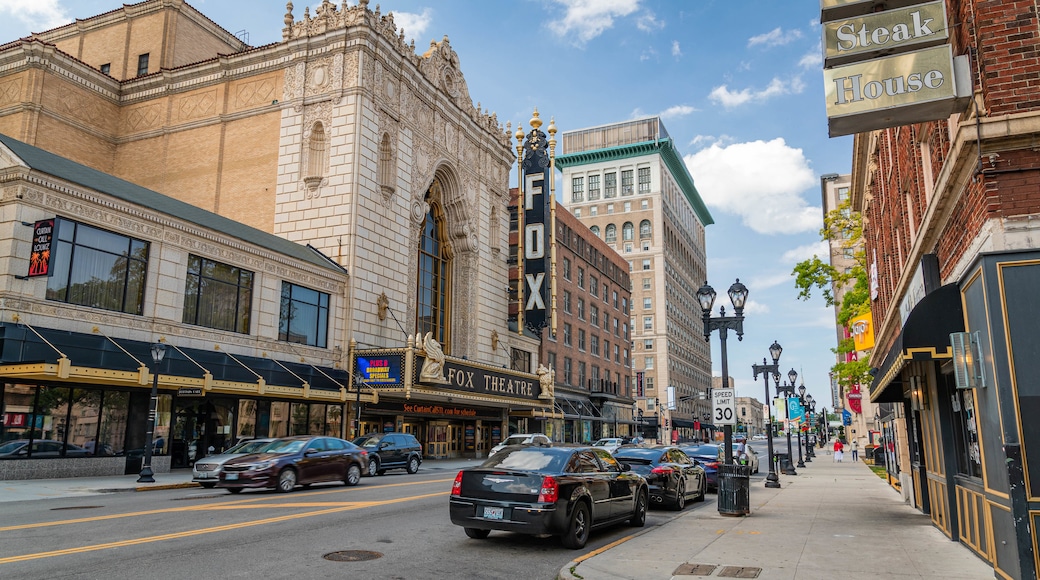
(677, 111)
(648, 54)
(813, 58)
(711, 139)
(414, 25)
(676, 51)
(587, 19)
(759, 283)
(802, 253)
(38, 15)
(760, 181)
(775, 37)
(649, 23)
(730, 99)
(752, 307)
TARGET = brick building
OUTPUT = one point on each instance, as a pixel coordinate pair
(951, 213)
(341, 136)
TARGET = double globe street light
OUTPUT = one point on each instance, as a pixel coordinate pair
(788, 390)
(772, 480)
(158, 352)
(706, 298)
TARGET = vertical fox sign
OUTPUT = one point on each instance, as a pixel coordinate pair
(537, 213)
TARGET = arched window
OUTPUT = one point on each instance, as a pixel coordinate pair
(595, 230)
(644, 229)
(611, 234)
(434, 278)
(627, 231)
(317, 151)
(386, 165)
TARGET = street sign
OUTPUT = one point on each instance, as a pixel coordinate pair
(725, 403)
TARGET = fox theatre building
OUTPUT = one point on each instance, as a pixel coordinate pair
(455, 407)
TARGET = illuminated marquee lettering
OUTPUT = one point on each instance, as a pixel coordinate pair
(537, 230)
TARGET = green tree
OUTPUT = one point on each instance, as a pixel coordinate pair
(844, 225)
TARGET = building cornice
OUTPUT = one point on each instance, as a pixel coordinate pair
(663, 147)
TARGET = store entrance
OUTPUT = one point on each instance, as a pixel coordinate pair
(201, 427)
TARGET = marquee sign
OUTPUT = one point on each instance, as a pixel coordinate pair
(460, 375)
(537, 239)
(853, 39)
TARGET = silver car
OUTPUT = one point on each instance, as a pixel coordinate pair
(207, 470)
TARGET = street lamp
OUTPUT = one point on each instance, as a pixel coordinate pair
(772, 480)
(738, 296)
(788, 390)
(809, 452)
(158, 352)
(801, 401)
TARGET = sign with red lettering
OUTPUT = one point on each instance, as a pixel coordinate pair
(40, 258)
(15, 420)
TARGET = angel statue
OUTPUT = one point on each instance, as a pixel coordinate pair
(433, 366)
(547, 379)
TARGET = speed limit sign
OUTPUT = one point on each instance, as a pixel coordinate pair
(725, 403)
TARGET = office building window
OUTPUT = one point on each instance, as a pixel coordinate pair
(567, 334)
(594, 230)
(627, 231)
(617, 332)
(626, 182)
(593, 285)
(304, 316)
(624, 305)
(594, 211)
(628, 206)
(644, 180)
(611, 235)
(581, 309)
(610, 185)
(581, 376)
(646, 245)
(628, 248)
(646, 264)
(577, 212)
(593, 187)
(644, 229)
(614, 297)
(644, 204)
(581, 277)
(566, 269)
(648, 323)
(646, 283)
(142, 64)
(106, 68)
(648, 344)
(617, 353)
(594, 345)
(567, 302)
(610, 208)
(648, 304)
(520, 360)
(567, 369)
(594, 315)
(217, 295)
(581, 339)
(649, 362)
(97, 268)
(577, 188)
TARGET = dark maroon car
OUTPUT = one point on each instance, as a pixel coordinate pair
(293, 461)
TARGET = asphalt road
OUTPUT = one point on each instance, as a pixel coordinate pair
(399, 520)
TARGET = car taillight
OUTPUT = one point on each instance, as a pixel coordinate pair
(662, 470)
(456, 488)
(713, 464)
(550, 490)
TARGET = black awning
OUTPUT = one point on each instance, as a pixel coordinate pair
(19, 345)
(683, 423)
(925, 336)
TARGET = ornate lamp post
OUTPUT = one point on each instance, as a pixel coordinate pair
(772, 480)
(788, 390)
(810, 409)
(738, 296)
(158, 352)
(801, 399)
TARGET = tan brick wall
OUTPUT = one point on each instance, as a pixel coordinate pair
(192, 159)
(249, 170)
(107, 45)
(80, 146)
(192, 43)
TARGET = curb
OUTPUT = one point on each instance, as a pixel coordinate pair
(166, 486)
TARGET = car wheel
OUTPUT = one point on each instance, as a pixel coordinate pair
(353, 475)
(413, 465)
(578, 531)
(235, 489)
(639, 516)
(704, 490)
(477, 534)
(373, 467)
(286, 480)
(208, 484)
(680, 496)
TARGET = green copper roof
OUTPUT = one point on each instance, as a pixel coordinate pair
(67, 170)
(665, 148)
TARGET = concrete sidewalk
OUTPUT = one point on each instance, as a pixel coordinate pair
(34, 489)
(832, 520)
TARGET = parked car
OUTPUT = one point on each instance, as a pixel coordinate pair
(759, 437)
(611, 444)
(708, 457)
(391, 451)
(207, 471)
(293, 461)
(535, 439)
(562, 491)
(748, 457)
(41, 448)
(672, 476)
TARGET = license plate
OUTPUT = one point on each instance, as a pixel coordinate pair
(204, 475)
(231, 476)
(493, 513)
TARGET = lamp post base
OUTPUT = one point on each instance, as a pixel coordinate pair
(789, 470)
(146, 475)
(800, 463)
(772, 481)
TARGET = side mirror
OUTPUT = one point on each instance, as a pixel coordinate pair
(626, 467)
(309, 452)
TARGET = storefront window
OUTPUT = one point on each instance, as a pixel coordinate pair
(316, 419)
(334, 420)
(84, 420)
(18, 402)
(247, 418)
(966, 434)
(279, 419)
(114, 410)
(298, 419)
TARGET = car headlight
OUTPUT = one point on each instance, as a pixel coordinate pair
(261, 465)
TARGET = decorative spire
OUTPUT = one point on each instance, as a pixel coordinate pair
(535, 121)
(288, 14)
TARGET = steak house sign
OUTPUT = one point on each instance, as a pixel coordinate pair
(877, 91)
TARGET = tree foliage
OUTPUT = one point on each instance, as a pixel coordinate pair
(844, 225)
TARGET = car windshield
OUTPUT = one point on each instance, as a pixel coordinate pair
(286, 446)
(11, 447)
(250, 447)
(515, 440)
(368, 441)
(605, 442)
(702, 450)
(528, 459)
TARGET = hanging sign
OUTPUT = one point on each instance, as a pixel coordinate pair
(537, 238)
(855, 400)
(40, 258)
(885, 32)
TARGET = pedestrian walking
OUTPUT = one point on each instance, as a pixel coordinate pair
(854, 447)
(838, 448)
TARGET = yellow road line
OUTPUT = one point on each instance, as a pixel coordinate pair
(215, 529)
(205, 507)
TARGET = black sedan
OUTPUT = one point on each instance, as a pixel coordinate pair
(707, 456)
(672, 476)
(293, 461)
(562, 491)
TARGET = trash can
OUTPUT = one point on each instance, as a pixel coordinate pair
(734, 489)
(134, 463)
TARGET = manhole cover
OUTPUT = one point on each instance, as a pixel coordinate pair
(77, 507)
(688, 569)
(356, 556)
(739, 572)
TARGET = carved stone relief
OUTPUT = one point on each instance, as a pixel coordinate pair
(195, 106)
(258, 92)
(142, 118)
(350, 69)
(10, 91)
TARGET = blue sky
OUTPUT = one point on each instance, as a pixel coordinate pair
(738, 83)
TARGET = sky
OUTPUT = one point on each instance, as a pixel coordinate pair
(738, 84)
